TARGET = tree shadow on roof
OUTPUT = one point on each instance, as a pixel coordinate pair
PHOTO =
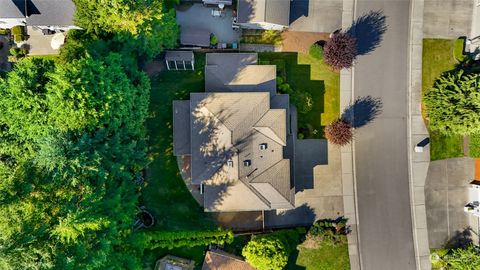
(368, 30)
(362, 111)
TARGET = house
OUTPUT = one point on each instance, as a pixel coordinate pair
(237, 136)
(263, 14)
(42, 14)
(220, 260)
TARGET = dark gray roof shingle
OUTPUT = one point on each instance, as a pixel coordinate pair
(50, 12)
(270, 11)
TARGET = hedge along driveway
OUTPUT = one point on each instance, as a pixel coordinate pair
(305, 73)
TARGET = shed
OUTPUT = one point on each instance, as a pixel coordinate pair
(180, 60)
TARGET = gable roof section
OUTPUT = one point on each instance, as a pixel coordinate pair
(220, 260)
(50, 12)
(238, 72)
(181, 127)
(269, 11)
(12, 9)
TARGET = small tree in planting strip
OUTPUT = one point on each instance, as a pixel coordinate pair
(340, 51)
(339, 132)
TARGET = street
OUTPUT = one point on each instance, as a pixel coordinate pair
(381, 154)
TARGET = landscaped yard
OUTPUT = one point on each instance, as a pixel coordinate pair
(438, 58)
(166, 195)
(325, 257)
(305, 73)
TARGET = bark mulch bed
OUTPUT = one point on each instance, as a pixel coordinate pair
(301, 41)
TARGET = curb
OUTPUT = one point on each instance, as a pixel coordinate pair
(416, 131)
(348, 153)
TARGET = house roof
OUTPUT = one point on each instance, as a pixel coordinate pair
(50, 12)
(220, 260)
(11, 9)
(269, 11)
(238, 72)
(227, 131)
(179, 56)
(181, 127)
(194, 36)
(39, 12)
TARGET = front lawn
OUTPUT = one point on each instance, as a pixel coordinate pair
(438, 58)
(166, 195)
(325, 257)
(305, 73)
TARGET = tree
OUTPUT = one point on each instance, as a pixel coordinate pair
(141, 26)
(73, 140)
(270, 251)
(340, 51)
(339, 132)
(453, 104)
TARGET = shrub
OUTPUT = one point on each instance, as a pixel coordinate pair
(339, 132)
(316, 51)
(340, 51)
(270, 251)
(18, 30)
(263, 37)
(1, 45)
(213, 40)
(175, 239)
(4, 31)
(303, 101)
(17, 52)
(453, 104)
(474, 146)
(458, 49)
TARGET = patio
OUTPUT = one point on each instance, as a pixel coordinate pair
(38, 43)
(197, 16)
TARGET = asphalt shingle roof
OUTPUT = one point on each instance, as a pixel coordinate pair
(270, 11)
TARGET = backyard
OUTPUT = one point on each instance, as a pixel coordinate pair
(438, 58)
(305, 73)
(165, 194)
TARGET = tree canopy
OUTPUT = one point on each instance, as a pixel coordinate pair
(453, 104)
(72, 141)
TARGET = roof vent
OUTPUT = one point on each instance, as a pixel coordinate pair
(247, 163)
(230, 163)
(263, 146)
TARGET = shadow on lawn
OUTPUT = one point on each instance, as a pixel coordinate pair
(368, 30)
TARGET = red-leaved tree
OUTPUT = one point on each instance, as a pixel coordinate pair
(340, 51)
(339, 132)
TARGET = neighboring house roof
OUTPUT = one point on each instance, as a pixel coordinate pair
(50, 12)
(269, 11)
(39, 12)
(238, 72)
(194, 37)
(219, 260)
(181, 127)
(12, 9)
(179, 56)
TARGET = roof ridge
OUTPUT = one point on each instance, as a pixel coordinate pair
(259, 195)
(269, 182)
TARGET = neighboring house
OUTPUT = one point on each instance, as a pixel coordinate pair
(170, 262)
(263, 14)
(220, 260)
(43, 14)
(238, 136)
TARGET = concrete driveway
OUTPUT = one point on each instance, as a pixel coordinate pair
(315, 15)
(446, 193)
(447, 18)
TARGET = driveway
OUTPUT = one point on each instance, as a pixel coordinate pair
(447, 18)
(381, 153)
(446, 193)
(319, 192)
(200, 17)
(315, 15)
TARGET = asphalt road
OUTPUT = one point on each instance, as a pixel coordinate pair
(385, 224)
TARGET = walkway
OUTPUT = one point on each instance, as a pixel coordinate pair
(381, 149)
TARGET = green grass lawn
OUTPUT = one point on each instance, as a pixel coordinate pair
(166, 195)
(438, 58)
(324, 257)
(306, 73)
